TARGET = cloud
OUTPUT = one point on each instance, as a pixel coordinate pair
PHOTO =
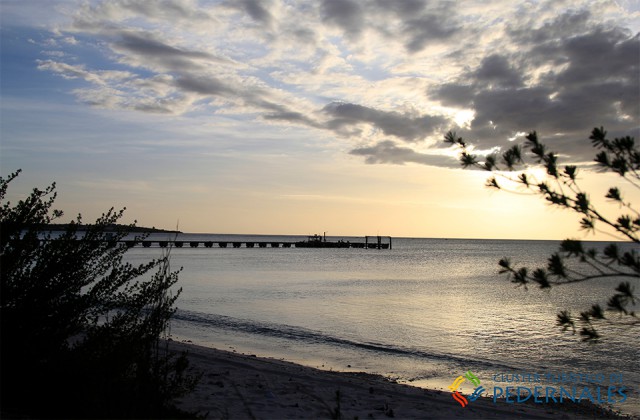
(142, 49)
(433, 25)
(388, 152)
(346, 14)
(93, 17)
(406, 127)
(292, 117)
(414, 23)
(204, 85)
(257, 10)
(496, 70)
(567, 24)
(144, 44)
(68, 71)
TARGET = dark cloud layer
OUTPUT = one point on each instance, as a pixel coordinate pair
(390, 153)
(346, 14)
(420, 23)
(257, 10)
(141, 48)
(496, 71)
(405, 127)
(584, 80)
(202, 85)
(432, 26)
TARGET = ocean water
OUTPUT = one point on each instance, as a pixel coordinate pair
(424, 312)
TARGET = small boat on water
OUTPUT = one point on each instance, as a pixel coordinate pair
(317, 241)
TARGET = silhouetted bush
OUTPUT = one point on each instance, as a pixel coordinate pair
(81, 330)
(574, 262)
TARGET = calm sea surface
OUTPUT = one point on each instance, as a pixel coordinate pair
(423, 312)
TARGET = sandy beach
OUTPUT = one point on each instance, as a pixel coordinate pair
(238, 386)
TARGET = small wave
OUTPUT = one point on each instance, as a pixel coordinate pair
(304, 335)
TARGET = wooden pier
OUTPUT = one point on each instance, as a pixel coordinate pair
(370, 242)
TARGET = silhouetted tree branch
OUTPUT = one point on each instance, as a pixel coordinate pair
(573, 262)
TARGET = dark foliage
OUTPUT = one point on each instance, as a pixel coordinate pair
(81, 329)
(573, 262)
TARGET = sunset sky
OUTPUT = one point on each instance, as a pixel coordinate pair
(298, 117)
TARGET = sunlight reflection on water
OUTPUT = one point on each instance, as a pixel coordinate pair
(423, 311)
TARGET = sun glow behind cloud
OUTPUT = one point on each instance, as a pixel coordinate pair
(291, 117)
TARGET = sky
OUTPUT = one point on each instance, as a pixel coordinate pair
(300, 117)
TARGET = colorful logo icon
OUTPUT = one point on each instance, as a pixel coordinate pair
(477, 392)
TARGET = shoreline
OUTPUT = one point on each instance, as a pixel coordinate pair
(238, 386)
